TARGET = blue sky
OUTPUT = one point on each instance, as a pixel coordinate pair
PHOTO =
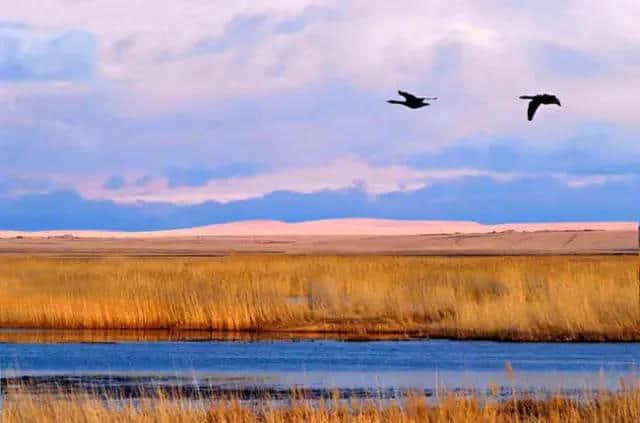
(123, 115)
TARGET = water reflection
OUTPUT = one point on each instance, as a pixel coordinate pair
(62, 336)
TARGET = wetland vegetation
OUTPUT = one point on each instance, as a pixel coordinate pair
(541, 298)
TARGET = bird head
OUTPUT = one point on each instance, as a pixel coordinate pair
(556, 101)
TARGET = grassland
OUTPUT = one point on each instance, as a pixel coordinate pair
(621, 407)
(507, 298)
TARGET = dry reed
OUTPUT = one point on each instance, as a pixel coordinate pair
(623, 406)
(507, 298)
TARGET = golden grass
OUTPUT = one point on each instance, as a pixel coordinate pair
(509, 298)
(621, 407)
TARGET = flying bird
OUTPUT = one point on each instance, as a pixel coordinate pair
(537, 100)
(411, 101)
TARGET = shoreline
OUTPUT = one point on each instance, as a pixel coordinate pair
(16, 335)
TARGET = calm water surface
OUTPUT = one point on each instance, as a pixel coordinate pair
(328, 364)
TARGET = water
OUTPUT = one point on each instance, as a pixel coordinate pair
(322, 365)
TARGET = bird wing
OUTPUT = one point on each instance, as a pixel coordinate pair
(533, 106)
(407, 96)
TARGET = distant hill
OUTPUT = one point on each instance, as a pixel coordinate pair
(344, 227)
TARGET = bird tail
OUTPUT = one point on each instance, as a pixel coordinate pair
(395, 102)
(526, 97)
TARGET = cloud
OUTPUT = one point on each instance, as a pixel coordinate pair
(569, 61)
(142, 181)
(234, 184)
(309, 16)
(114, 183)
(31, 55)
(481, 199)
(241, 30)
(66, 210)
(17, 185)
(245, 182)
(201, 176)
(206, 101)
(585, 154)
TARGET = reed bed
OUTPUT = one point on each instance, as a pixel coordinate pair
(623, 406)
(506, 298)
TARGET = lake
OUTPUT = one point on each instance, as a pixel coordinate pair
(362, 368)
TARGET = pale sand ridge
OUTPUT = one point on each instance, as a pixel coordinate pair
(355, 226)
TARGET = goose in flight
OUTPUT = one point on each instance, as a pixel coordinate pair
(411, 101)
(537, 100)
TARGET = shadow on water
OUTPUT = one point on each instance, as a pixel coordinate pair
(62, 336)
(241, 388)
(124, 387)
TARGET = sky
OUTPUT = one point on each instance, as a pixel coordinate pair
(131, 114)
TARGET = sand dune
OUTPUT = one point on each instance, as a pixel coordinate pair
(342, 227)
